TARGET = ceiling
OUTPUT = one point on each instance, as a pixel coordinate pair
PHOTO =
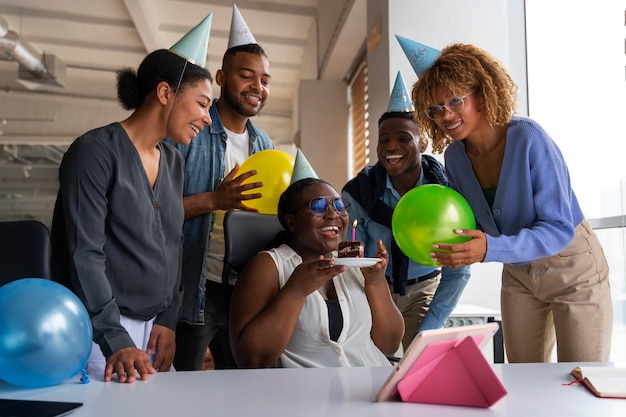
(83, 44)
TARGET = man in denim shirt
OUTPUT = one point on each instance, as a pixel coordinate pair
(213, 186)
(425, 295)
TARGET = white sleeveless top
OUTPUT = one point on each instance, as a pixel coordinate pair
(310, 345)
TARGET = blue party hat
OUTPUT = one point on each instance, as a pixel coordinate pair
(301, 168)
(193, 46)
(400, 99)
(420, 56)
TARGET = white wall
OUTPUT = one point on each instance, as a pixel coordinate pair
(324, 128)
(321, 106)
(576, 64)
(578, 94)
(497, 26)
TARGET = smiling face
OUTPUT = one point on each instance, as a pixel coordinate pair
(312, 236)
(190, 111)
(245, 82)
(466, 121)
(400, 148)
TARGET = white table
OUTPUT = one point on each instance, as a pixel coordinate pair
(533, 390)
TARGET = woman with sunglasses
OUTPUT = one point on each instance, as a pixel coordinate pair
(293, 306)
(555, 277)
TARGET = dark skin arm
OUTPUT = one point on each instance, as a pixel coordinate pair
(263, 316)
(125, 362)
(163, 342)
(387, 322)
(228, 195)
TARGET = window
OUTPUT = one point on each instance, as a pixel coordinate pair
(576, 63)
(358, 148)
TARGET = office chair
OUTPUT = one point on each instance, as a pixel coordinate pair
(24, 250)
(245, 234)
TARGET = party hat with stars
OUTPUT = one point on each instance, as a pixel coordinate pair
(400, 99)
(239, 31)
(193, 46)
(301, 168)
(420, 56)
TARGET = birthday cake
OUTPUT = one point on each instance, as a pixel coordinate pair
(352, 249)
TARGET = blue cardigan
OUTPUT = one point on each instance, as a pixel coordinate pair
(535, 210)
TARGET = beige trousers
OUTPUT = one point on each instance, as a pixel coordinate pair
(414, 305)
(564, 298)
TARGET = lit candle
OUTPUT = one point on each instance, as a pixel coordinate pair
(354, 230)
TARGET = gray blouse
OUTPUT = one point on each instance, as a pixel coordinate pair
(117, 240)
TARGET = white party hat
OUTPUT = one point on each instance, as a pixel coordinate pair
(239, 31)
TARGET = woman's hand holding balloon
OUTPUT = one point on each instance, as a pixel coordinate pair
(461, 254)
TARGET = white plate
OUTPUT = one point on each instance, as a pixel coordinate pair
(358, 262)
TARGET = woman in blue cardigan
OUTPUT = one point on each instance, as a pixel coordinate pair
(555, 284)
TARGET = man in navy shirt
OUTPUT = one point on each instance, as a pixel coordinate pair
(425, 295)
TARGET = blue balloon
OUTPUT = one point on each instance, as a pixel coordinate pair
(45, 333)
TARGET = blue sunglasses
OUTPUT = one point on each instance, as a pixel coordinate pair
(319, 205)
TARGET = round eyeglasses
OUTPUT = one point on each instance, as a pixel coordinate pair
(319, 205)
(454, 105)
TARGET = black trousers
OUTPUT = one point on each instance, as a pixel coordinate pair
(192, 340)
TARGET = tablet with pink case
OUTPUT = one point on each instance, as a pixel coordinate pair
(446, 366)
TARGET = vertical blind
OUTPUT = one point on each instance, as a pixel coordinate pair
(359, 119)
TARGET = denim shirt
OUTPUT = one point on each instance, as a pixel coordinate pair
(453, 280)
(204, 171)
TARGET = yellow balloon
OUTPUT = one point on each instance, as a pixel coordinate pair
(274, 169)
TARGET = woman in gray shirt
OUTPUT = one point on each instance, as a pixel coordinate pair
(117, 225)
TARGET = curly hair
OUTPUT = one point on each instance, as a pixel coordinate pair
(462, 68)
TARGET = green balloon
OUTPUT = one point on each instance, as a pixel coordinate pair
(430, 214)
